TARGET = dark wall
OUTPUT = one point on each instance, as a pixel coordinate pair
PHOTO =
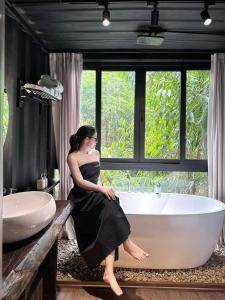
(26, 148)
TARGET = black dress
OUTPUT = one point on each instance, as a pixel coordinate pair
(100, 224)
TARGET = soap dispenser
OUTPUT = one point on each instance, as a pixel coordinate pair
(41, 182)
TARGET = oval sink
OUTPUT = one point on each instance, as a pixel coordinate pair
(25, 214)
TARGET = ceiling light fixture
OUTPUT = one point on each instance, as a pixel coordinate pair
(152, 39)
(106, 15)
(155, 15)
(205, 15)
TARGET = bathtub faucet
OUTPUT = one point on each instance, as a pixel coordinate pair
(158, 188)
(129, 185)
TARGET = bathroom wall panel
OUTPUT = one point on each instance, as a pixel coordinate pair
(27, 144)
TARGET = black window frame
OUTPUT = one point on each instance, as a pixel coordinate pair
(139, 162)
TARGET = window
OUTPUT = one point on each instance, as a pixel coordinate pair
(88, 98)
(162, 115)
(149, 119)
(194, 183)
(117, 114)
(196, 114)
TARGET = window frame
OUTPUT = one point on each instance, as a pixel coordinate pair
(139, 162)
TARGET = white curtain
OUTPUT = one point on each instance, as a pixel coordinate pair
(216, 130)
(66, 68)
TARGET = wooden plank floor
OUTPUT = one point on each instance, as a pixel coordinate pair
(98, 293)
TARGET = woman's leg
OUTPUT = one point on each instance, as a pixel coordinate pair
(135, 251)
(109, 276)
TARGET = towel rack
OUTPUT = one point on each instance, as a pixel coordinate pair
(34, 93)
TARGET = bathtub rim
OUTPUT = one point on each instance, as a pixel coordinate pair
(178, 214)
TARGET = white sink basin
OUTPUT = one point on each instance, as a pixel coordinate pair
(25, 214)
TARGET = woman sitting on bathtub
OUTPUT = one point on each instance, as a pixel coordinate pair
(100, 223)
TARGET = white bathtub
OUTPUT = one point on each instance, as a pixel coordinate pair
(177, 230)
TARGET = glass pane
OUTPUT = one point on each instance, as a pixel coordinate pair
(162, 115)
(194, 183)
(88, 98)
(196, 114)
(117, 118)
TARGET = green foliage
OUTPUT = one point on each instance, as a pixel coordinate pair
(117, 122)
(145, 181)
(162, 112)
(196, 114)
(88, 98)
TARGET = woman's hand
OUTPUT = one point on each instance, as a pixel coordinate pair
(108, 191)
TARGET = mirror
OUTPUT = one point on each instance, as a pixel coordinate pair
(5, 115)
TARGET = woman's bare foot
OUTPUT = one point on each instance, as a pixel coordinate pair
(111, 280)
(135, 251)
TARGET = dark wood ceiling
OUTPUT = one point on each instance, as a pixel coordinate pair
(76, 25)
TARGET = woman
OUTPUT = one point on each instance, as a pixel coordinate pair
(100, 223)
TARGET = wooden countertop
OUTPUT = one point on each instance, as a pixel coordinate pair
(21, 260)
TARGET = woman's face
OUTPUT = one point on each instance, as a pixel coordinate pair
(92, 141)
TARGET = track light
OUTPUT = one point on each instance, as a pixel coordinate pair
(205, 16)
(155, 15)
(106, 15)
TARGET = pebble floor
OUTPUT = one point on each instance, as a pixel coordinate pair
(71, 266)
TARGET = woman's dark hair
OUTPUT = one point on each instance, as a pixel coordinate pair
(77, 138)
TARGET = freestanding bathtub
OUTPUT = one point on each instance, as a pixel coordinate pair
(177, 230)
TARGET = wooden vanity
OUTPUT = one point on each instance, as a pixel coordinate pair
(30, 266)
